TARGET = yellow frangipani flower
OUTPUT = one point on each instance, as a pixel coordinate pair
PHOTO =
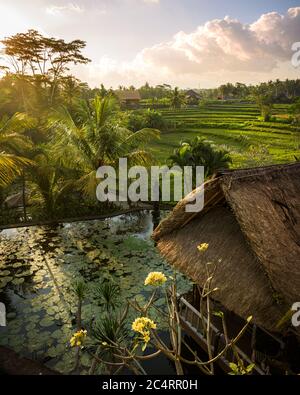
(78, 338)
(142, 325)
(155, 279)
(146, 337)
(203, 247)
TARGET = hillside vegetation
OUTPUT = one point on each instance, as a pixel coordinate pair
(236, 127)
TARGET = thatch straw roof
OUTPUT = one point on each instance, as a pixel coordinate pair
(251, 220)
(124, 95)
(16, 200)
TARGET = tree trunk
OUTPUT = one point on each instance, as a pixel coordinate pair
(24, 196)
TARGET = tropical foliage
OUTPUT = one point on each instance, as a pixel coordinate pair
(55, 131)
(199, 152)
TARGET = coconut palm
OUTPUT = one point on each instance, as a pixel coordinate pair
(10, 167)
(49, 183)
(70, 89)
(199, 152)
(12, 143)
(93, 138)
(177, 98)
(295, 110)
(264, 102)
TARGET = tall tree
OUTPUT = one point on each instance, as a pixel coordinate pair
(93, 138)
(31, 54)
(265, 104)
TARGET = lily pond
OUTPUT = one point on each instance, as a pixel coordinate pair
(38, 268)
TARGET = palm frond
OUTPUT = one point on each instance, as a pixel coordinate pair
(67, 133)
(87, 184)
(133, 143)
(11, 166)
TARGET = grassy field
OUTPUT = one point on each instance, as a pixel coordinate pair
(235, 127)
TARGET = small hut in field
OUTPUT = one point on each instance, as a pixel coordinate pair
(251, 221)
(129, 98)
(192, 97)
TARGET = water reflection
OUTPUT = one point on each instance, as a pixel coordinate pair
(39, 265)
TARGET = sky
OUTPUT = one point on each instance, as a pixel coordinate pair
(187, 43)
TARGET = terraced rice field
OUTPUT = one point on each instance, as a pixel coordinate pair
(235, 127)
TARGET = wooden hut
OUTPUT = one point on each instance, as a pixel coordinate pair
(251, 220)
(129, 98)
(192, 97)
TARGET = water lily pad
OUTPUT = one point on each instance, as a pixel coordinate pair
(30, 327)
(16, 265)
(52, 352)
(57, 334)
(24, 273)
(4, 281)
(4, 273)
(18, 281)
(60, 348)
(85, 360)
(46, 322)
(90, 251)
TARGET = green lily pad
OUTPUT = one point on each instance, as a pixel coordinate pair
(18, 281)
(5, 280)
(16, 265)
(52, 352)
(45, 322)
(57, 334)
(85, 360)
(24, 274)
(4, 273)
(30, 327)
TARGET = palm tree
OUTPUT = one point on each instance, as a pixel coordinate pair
(295, 110)
(94, 138)
(70, 89)
(49, 183)
(10, 167)
(199, 152)
(12, 143)
(264, 102)
(177, 99)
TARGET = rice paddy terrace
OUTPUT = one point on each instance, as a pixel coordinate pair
(235, 127)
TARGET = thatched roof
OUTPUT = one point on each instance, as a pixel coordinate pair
(124, 95)
(251, 220)
(193, 94)
(16, 200)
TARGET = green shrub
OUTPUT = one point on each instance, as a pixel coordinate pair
(146, 119)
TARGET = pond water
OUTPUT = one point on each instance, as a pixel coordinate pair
(39, 265)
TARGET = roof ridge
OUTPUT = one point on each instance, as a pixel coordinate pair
(259, 168)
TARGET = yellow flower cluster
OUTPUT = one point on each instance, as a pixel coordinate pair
(78, 338)
(155, 279)
(143, 325)
(203, 247)
(146, 337)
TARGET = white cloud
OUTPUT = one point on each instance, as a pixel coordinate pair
(151, 1)
(228, 44)
(220, 49)
(56, 10)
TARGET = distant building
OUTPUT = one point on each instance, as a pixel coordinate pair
(129, 98)
(192, 97)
